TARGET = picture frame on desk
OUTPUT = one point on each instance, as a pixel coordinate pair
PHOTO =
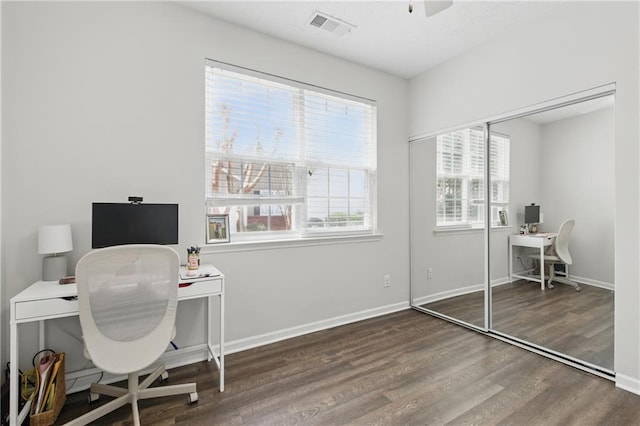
(218, 228)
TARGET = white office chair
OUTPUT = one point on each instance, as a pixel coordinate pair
(128, 297)
(559, 255)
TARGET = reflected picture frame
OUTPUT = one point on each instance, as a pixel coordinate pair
(504, 218)
(217, 229)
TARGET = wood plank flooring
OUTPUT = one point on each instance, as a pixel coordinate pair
(579, 324)
(406, 368)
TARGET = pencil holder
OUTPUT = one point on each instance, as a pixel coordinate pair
(193, 261)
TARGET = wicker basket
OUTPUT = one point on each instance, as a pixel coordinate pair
(47, 418)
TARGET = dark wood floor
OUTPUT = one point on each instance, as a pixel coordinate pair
(405, 368)
(579, 324)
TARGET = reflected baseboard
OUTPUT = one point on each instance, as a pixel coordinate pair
(447, 294)
(594, 283)
(498, 282)
(457, 292)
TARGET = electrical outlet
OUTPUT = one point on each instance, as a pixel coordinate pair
(387, 280)
(429, 273)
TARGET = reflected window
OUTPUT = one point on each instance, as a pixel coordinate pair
(460, 178)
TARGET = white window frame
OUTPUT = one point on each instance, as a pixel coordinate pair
(300, 230)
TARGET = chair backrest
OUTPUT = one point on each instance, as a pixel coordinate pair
(562, 241)
(128, 297)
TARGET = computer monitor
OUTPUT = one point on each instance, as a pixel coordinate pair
(120, 223)
(531, 214)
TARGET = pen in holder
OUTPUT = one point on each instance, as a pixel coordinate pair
(193, 258)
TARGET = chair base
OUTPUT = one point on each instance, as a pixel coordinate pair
(563, 280)
(552, 274)
(131, 395)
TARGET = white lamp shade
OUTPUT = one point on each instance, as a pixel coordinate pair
(54, 239)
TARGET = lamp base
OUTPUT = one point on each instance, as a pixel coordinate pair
(54, 267)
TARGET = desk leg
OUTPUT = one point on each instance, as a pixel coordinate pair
(210, 353)
(41, 337)
(221, 372)
(510, 263)
(16, 417)
(542, 286)
(13, 373)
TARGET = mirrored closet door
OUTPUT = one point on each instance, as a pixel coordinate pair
(447, 217)
(561, 198)
(547, 210)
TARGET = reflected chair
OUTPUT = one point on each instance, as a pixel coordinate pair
(128, 297)
(558, 254)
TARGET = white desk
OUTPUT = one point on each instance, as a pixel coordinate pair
(46, 300)
(539, 241)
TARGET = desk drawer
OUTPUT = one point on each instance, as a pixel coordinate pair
(531, 240)
(46, 308)
(199, 288)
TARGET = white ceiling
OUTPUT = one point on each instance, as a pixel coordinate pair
(386, 36)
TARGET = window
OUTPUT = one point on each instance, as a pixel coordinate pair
(285, 159)
(460, 178)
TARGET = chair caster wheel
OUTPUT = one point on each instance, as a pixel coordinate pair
(550, 285)
(193, 397)
(164, 377)
(578, 289)
(93, 397)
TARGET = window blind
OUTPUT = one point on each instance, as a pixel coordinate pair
(279, 148)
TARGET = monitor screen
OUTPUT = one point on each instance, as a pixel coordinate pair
(122, 223)
(531, 214)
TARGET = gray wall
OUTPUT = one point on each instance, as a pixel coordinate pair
(105, 100)
(577, 182)
(560, 54)
(457, 258)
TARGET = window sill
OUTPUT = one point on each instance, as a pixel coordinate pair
(459, 230)
(289, 243)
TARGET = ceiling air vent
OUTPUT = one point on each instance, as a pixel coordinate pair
(329, 23)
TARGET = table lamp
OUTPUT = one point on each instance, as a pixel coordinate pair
(54, 240)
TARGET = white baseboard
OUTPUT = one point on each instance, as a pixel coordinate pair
(627, 383)
(81, 380)
(276, 336)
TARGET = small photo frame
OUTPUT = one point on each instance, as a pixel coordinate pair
(217, 228)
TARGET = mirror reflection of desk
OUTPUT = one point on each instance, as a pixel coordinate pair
(540, 241)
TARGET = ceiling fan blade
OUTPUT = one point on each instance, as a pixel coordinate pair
(431, 7)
